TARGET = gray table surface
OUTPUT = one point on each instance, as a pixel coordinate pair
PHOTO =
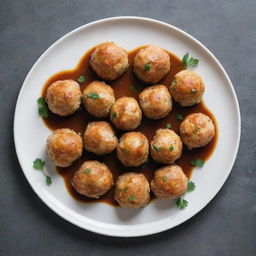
(227, 226)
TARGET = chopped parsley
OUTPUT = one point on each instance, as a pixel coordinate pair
(164, 178)
(158, 149)
(168, 126)
(171, 148)
(133, 88)
(114, 115)
(123, 189)
(180, 117)
(147, 67)
(181, 203)
(189, 61)
(38, 164)
(87, 170)
(93, 95)
(126, 151)
(197, 162)
(132, 198)
(191, 186)
(81, 79)
(42, 108)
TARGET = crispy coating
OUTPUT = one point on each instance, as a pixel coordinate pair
(63, 97)
(187, 88)
(133, 149)
(166, 146)
(109, 61)
(93, 179)
(169, 182)
(98, 99)
(64, 147)
(125, 114)
(132, 190)
(151, 64)
(197, 130)
(155, 101)
(100, 138)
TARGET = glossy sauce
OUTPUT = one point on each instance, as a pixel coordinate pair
(122, 87)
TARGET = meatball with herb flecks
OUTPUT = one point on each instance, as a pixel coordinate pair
(197, 130)
(132, 190)
(93, 179)
(63, 97)
(109, 61)
(64, 147)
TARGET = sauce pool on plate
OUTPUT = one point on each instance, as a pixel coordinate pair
(127, 85)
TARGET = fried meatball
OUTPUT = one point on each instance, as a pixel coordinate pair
(155, 101)
(166, 146)
(169, 182)
(187, 88)
(109, 61)
(132, 190)
(197, 130)
(64, 147)
(93, 179)
(132, 149)
(100, 138)
(125, 114)
(63, 97)
(98, 99)
(151, 64)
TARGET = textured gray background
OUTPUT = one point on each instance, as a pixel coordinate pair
(227, 226)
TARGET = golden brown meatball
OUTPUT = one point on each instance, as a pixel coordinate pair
(155, 101)
(151, 64)
(132, 149)
(98, 99)
(125, 114)
(132, 190)
(166, 146)
(100, 138)
(109, 61)
(169, 182)
(63, 97)
(197, 130)
(187, 88)
(93, 179)
(64, 147)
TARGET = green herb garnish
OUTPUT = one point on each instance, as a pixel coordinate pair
(93, 95)
(38, 164)
(132, 198)
(189, 61)
(191, 186)
(42, 108)
(123, 189)
(81, 79)
(168, 126)
(181, 203)
(147, 67)
(164, 178)
(114, 115)
(87, 170)
(158, 149)
(171, 148)
(133, 88)
(197, 162)
(180, 117)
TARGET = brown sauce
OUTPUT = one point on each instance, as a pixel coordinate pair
(121, 86)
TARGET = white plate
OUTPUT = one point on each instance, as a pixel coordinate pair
(130, 32)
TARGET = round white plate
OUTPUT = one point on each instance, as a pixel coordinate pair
(30, 133)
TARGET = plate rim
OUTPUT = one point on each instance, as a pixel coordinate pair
(107, 230)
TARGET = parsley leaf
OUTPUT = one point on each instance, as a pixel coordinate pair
(87, 170)
(147, 67)
(171, 148)
(180, 117)
(123, 189)
(164, 178)
(189, 61)
(191, 186)
(158, 149)
(93, 95)
(48, 180)
(38, 164)
(181, 203)
(168, 126)
(42, 108)
(197, 162)
(126, 151)
(132, 198)
(81, 79)
(133, 88)
(114, 115)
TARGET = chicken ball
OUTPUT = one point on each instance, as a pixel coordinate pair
(125, 114)
(64, 147)
(151, 64)
(187, 88)
(155, 101)
(133, 149)
(197, 130)
(63, 97)
(93, 179)
(100, 138)
(109, 61)
(169, 182)
(132, 190)
(98, 99)
(166, 146)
